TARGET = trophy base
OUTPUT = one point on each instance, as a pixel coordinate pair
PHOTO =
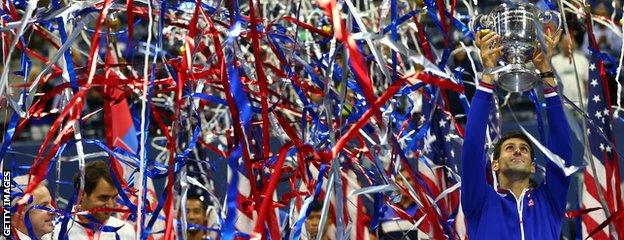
(517, 79)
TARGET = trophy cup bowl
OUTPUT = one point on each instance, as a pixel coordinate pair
(516, 26)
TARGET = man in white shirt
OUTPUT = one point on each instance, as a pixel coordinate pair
(565, 69)
(573, 90)
(41, 220)
(200, 217)
(392, 225)
(99, 192)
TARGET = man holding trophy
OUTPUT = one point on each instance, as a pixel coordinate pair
(515, 210)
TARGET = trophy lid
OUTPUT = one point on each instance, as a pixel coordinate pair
(515, 5)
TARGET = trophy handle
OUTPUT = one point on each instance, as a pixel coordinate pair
(551, 16)
(484, 21)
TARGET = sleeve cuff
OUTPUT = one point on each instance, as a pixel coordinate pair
(550, 92)
(552, 100)
(485, 87)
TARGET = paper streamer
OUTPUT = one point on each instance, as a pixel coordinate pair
(299, 100)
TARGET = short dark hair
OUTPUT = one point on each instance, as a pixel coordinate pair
(316, 206)
(198, 198)
(499, 144)
(94, 171)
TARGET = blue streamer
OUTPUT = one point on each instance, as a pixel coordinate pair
(8, 136)
(394, 37)
(401, 20)
(431, 11)
(445, 56)
(305, 207)
(465, 30)
(65, 220)
(69, 63)
(207, 97)
(232, 195)
(457, 72)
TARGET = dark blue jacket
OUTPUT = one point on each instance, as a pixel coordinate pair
(494, 214)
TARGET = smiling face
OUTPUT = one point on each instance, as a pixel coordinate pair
(196, 213)
(103, 196)
(313, 222)
(514, 159)
(40, 220)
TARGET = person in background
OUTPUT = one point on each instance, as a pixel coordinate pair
(99, 192)
(514, 209)
(607, 40)
(200, 216)
(41, 220)
(575, 91)
(394, 227)
(314, 220)
(562, 62)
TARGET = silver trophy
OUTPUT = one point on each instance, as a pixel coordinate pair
(516, 23)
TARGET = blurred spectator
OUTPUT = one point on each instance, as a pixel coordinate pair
(562, 62)
(200, 216)
(41, 220)
(100, 196)
(607, 40)
(460, 62)
(394, 227)
(313, 222)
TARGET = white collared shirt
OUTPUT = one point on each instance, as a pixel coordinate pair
(23, 236)
(77, 231)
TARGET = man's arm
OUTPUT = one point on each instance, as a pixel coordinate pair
(474, 187)
(556, 183)
(559, 142)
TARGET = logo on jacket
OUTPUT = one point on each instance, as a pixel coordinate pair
(531, 203)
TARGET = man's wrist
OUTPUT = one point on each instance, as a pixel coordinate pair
(486, 87)
(547, 74)
(488, 78)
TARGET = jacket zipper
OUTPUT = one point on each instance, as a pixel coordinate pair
(519, 206)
